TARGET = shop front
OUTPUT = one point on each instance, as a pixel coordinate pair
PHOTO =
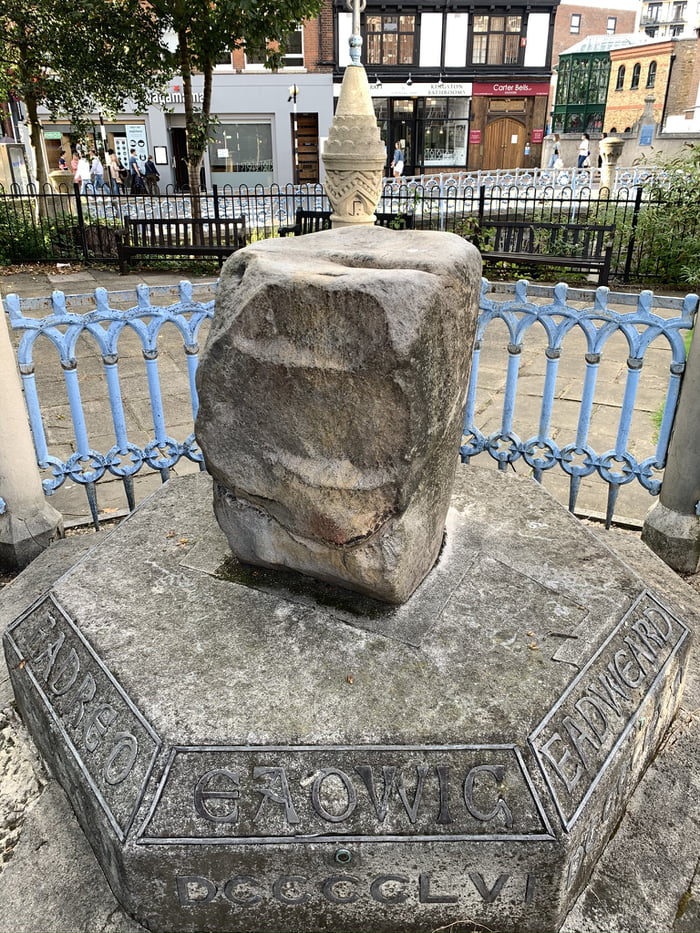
(508, 124)
(429, 121)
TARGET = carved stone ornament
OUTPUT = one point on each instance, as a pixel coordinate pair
(354, 154)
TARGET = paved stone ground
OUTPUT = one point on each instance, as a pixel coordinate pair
(647, 880)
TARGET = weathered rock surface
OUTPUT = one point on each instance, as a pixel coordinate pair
(332, 390)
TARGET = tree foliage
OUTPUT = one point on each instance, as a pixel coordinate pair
(204, 30)
(76, 59)
(671, 217)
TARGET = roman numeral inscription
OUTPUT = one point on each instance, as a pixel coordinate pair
(613, 694)
(102, 732)
(367, 793)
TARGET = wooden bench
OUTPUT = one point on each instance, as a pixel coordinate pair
(572, 246)
(307, 222)
(182, 236)
(313, 221)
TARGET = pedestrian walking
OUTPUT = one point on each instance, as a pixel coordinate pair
(555, 152)
(137, 183)
(82, 174)
(97, 172)
(584, 151)
(397, 162)
(151, 176)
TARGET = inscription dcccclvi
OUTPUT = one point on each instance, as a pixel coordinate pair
(111, 742)
(370, 793)
(579, 736)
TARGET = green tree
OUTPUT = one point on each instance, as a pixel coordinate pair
(204, 30)
(76, 59)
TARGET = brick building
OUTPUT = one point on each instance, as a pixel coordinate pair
(458, 85)
(576, 21)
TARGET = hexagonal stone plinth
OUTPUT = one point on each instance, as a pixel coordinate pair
(253, 751)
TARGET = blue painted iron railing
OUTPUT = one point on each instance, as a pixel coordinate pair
(598, 323)
(519, 307)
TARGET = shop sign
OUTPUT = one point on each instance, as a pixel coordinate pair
(53, 134)
(474, 137)
(537, 136)
(510, 89)
(416, 89)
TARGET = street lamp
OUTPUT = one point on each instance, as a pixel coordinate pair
(293, 93)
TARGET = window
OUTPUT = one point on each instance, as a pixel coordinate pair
(620, 78)
(241, 153)
(636, 72)
(575, 26)
(676, 30)
(293, 58)
(294, 54)
(651, 74)
(679, 12)
(443, 123)
(612, 25)
(651, 31)
(654, 12)
(224, 60)
(390, 40)
(496, 39)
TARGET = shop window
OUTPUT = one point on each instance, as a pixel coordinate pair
(651, 74)
(390, 40)
(575, 26)
(443, 124)
(612, 25)
(636, 72)
(496, 39)
(620, 83)
(241, 153)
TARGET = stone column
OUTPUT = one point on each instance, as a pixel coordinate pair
(672, 527)
(28, 523)
(610, 150)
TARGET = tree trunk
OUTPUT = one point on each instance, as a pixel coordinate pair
(37, 142)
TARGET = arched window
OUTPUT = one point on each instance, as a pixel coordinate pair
(651, 74)
(620, 78)
(636, 72)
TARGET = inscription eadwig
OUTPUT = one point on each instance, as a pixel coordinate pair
(110, 740)
(355, 793)
(579, 736)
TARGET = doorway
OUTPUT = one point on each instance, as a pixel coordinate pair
(504, 144)
(305, 148)
(397, 124)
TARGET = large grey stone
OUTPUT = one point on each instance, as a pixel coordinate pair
(332, 391)
(244, 756)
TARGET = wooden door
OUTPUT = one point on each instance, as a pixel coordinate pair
(504, 144)
(305, 148)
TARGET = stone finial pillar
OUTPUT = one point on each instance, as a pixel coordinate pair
(672, 527)
(354, 154)
(28, 523)
(610, 150)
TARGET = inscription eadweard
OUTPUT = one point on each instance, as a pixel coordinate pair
(580, 735)
(238, 795)
(109, 740)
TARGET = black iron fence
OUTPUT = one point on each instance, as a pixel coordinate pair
(59, 226)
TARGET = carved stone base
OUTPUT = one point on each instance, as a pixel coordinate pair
(248, 750)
